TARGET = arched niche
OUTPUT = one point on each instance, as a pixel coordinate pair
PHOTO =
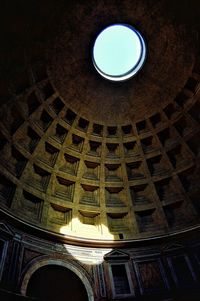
(52, 275)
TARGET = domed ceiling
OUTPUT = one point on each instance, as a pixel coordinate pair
(72, 72)
(92, 159)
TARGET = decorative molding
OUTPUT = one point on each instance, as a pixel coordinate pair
(49, 261)
(117, 255)
(6, 229)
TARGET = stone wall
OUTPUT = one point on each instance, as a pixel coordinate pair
(159, 271)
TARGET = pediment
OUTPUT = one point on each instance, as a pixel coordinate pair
(5, 228)
(174, 246)
(116, 255)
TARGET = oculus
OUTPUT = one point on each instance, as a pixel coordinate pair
(119, 52)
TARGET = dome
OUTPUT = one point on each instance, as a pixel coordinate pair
(86, 159)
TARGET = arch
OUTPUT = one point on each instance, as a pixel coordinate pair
(68, 265)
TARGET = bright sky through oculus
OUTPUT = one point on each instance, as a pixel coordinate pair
(119, 52)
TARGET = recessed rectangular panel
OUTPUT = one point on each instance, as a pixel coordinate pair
(151, 276)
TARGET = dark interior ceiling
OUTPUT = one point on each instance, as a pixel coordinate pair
(126, 156)
(62, 34)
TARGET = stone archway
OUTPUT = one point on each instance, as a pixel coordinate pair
(73, 277)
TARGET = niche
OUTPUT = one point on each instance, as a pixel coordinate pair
(94, 148)
(171, 110)
(48, 154)
(31, 206)
(121, 282)
(69, 116)
(112, 150)
(189, 179)
(127, 130)
(57, 105)
(89, 223)
(59, 215)
(89, 195)
(178, 214)
(89, 218)
(16, 162)
(59, 133)
(64, 189)
(167, 190)
(135, 170)
(142, 127)
(141, 194)
(76, 143)
(112, 131)
(97, 129)
(179, 157)
(168, 138)
(158, 166)
(44, 120)
(28, 138)
(83, 124)
(118, 223)
(70, 165)
(192, 84)
(184, 126)
(91, 170)
(115, 197)
(38, 178)
(113, 173)
(49, 283)
(146, 220)
(131, 149)
(149, 144)
(181, 99)
(156, 120)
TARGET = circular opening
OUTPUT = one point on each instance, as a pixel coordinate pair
(119, 52)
